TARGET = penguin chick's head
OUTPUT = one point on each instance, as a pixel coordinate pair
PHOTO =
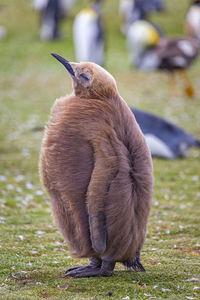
(89, 80)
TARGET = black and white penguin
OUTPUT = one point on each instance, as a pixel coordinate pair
(51, 14)
(192, 20)
(88, 34)
(151, 51)
(164, 139)
(134, 10)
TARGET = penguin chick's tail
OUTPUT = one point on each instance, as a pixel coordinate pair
(134, 264)
(105, 168)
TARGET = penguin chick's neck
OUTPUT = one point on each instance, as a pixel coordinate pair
(92, 81)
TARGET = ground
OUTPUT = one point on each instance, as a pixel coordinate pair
(33, 257)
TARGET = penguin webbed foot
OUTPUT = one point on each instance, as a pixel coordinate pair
(85, 271)
(94, 263)
(135, 264)
(94, 269)
(77, 268)
(189, 91)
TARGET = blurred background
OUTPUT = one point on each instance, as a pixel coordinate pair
(31, 80)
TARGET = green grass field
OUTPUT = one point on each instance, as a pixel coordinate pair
(33, 257)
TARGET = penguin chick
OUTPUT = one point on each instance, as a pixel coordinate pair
(97, 169)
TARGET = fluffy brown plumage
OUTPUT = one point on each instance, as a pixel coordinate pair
(97, 169)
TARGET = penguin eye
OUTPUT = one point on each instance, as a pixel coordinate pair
(84, 76)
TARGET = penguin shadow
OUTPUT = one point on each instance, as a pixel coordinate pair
(140, 278)
(121, 279)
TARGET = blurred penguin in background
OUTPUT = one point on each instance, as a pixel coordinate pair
(134, 10)
(88, 34)
(141, 33)
(165, 139)
(151, 51)
(142, 38)
(3, 32)
(192, 22)
(52, 13)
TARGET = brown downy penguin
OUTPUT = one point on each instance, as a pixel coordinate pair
(97, 169)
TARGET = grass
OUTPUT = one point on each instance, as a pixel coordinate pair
(33, 256)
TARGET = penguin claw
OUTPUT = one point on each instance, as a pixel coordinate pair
(85, 271)
(96, 268)
(71, 269)
(78, 268)
(95, 263)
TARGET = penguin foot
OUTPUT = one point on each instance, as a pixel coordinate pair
(106, 269)
(94, 263)
(84, 272)
(189, 91)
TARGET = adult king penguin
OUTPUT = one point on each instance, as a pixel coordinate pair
(88, 34)
(97, 169)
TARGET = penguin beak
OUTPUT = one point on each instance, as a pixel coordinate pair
(65, 63)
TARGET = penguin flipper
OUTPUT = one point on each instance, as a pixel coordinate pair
(103, 172)
(98, 231)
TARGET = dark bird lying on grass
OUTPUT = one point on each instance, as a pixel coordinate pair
(164, 139)
(149, 51)
(88, 34)
(97, 169)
